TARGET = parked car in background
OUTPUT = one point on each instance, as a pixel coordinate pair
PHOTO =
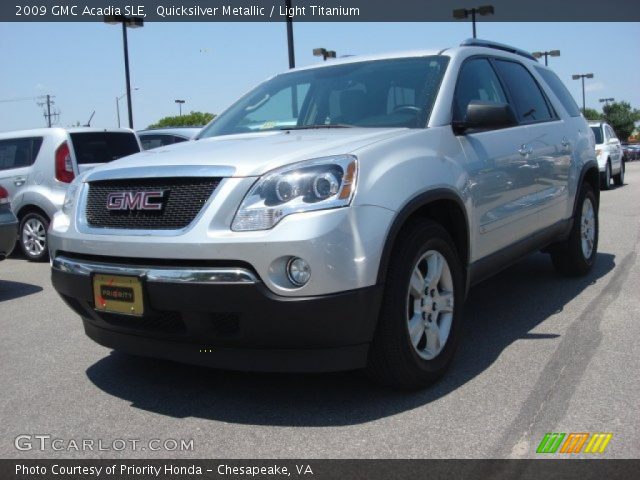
(160, 137)
(8, 225)
(609, 154)
(36, 167)
(339, 228)
(630, 151)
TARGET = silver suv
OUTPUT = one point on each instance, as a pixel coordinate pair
(335, 216)
(36, 167)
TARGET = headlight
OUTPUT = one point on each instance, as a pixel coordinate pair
(318, 184)
(72, 193)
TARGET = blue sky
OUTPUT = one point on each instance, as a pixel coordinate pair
(211, 64)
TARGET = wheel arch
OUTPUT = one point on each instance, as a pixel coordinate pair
(25, 209)
(590, 174)
(441, 205)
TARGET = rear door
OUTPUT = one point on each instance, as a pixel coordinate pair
(95, 148)
(616, 148)
(498, 164)
(547, 147)
(17, 155)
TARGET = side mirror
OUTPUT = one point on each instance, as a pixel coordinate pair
(483, 115)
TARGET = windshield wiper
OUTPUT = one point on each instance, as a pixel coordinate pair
(319, 125)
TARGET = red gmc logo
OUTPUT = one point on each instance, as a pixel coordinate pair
(135, 200)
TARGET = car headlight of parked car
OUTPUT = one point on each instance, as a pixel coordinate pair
(317, 184)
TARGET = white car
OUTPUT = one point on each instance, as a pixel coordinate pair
(609, 153)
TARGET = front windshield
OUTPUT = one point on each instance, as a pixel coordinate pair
(381, 93)
(597, 131)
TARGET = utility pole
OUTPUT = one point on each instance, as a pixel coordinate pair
(49, 110)
(48, 101)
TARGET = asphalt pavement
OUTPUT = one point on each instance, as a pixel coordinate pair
(540, 353)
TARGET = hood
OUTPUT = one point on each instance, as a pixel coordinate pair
(252, 154)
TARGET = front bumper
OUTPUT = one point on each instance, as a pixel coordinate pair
(224, 318)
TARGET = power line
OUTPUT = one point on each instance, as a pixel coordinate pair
(17, 99)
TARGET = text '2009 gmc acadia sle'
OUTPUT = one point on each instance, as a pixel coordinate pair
(335, 216)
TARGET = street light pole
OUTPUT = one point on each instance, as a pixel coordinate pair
(292, 60)
(132, 22)
(118, 104)
(126, 72)
(180, 102)
(550, 53)
(462, 13)
(582, 76)
(118, 110)
(607, 100)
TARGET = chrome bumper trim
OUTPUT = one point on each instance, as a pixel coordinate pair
(204, 275)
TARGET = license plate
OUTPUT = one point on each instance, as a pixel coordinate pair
(118, 294)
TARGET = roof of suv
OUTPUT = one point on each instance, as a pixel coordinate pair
(478, 45)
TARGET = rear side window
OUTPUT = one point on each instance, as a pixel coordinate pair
(103, 147)
(597, 132)
(477, 81)
(559, 89)
(527, 99)
(19, 152)
(159, 140)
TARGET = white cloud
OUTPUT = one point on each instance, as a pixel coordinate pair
(593, 86)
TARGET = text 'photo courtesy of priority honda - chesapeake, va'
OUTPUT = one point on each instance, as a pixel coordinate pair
(319, 239)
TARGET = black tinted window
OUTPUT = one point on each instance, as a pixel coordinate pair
(528, 101)
(19, 152)
(103, 147)
(477, 81)
(556, 85)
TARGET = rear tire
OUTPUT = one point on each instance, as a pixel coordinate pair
(33, 237)
(423, 294)
(619, 178)
(576, 255)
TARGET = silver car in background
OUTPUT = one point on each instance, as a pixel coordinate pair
(37, 166)
(161, 137)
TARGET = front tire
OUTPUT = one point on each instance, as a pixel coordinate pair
(577, 254)
(33, 237)
(419, 324)
(619, 178)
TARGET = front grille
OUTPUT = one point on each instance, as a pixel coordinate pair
(183, 199)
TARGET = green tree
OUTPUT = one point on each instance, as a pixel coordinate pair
(192, 119)
(592, 114)
(621, 118)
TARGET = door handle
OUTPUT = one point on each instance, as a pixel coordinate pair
(525, 150)
(19, 181)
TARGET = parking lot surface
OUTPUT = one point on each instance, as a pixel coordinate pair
(540, 353)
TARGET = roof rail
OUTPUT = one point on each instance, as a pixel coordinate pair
(476, 42)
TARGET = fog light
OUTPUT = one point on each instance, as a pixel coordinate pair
(298, 271)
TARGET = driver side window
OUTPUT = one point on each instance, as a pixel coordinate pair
(476, 81)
